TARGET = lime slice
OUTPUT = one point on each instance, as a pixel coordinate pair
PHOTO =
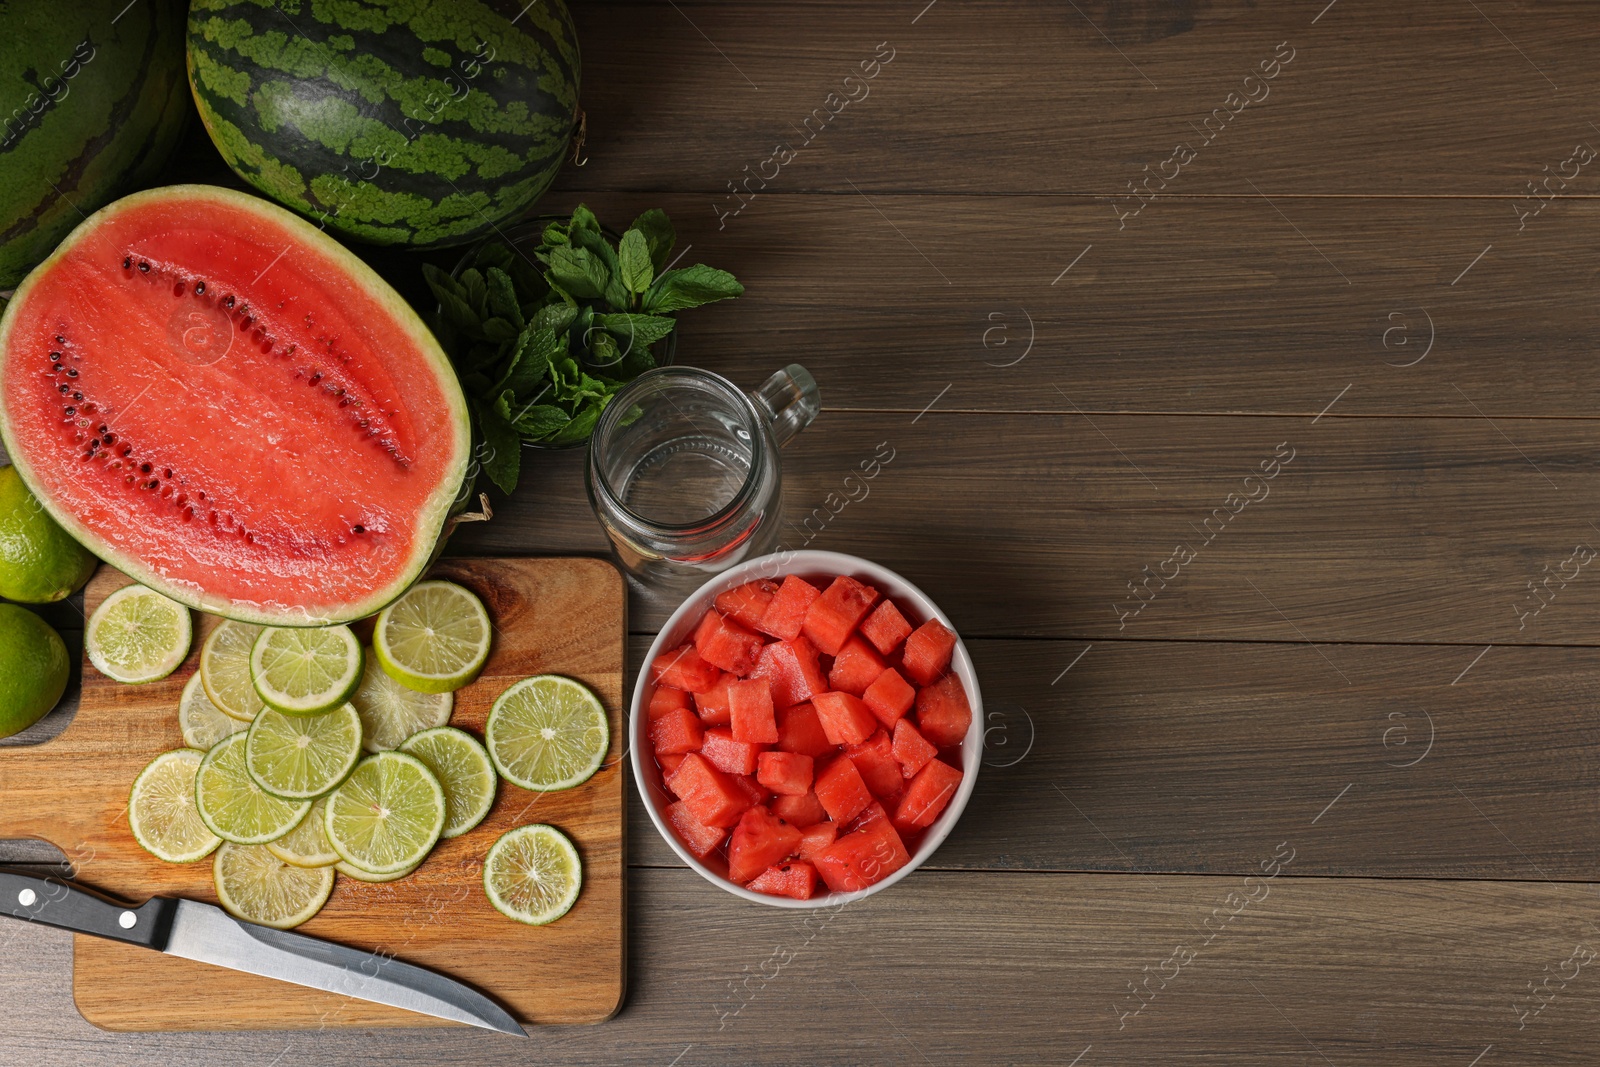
(303, 756)
(390, 712)
(305, 672)
(387, 815)
(463, 769)
(161, 809)
(138, 635)
(225, 669)
(548, 733)
(307, 844)
(533, 874)
(434, 639)
(234, 806)
(352, 871)
(202, 724)
(258, 887)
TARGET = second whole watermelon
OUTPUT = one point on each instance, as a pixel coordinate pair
(422, 123)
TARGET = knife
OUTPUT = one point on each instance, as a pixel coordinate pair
(208, 934)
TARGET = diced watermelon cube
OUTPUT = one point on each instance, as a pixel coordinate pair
(750, 704)
(943, 714)
(863, 858)
(675, 731)
(797, 879)
(713, 797)
(697, 837)
(927, 652)
(728, 754)
(856, 667)
(787, 611)
(802, 811)
(800, 730)
(911, 749)
(840, 789)
(786, 773)
(747, 602)
(683, 668)
(750, 788)
(885, 627)
(833, 616)
(889, 697)
(815, 838)
(872, 813)
(845, 719)
(724, 642)
(792, 668)
(760, 840)
(927, 795)
(669, 763)
(712, 705)
(664, 698)
(874, 758)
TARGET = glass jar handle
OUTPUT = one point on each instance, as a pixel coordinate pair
(790, 400)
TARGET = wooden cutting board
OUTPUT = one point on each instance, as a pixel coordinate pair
(557, 616)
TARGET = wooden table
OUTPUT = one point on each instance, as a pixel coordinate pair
(1257, 473)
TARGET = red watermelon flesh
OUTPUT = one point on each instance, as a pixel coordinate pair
(221, 401)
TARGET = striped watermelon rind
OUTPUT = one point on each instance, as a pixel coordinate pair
(423, 124)
(108, 105)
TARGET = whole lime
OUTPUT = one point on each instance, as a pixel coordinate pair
(33, 668)
(39, 561)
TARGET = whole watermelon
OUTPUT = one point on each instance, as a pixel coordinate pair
(97, 101)
(399, 122)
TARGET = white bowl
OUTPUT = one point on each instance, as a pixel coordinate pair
(916, 606)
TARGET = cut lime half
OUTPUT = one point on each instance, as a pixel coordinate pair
(390, 712)
(225, 669)
(435, 639)
(137, 635)
(232, 803)
(350, 870)
(463, 769)
(533, 874)
(303, 756)
(548, 733)
(202, 724)
(387, 815)
(305, 672)
(307, 844)
(258, 887)
(161, 809)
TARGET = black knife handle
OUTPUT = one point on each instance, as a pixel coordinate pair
(56, 902)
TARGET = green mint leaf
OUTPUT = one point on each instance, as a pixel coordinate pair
(634, 255)
(453, 306)
(555, 317)
(690, 287)
(476, 291)
(536, 349)
(636, 331)
(503, 297)
(583, 219)
(582, 424)
(539, 421)
(658, 234)
(603, 350)
(493, 254)
(499, 450)
(577, 272)
(499, 330)
(554, 234)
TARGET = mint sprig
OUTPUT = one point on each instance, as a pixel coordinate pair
(543, 338)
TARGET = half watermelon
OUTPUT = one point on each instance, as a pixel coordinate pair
(216, 398)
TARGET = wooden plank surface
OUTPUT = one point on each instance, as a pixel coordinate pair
(562, 616)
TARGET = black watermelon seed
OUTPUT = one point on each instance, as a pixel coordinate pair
(144, 468)
(94, 445)
(199, 287)
(102, 427)
(55, 357)
(358, 529)
(127, 261)
(64, 387)
(71, 409)
(127, 450)
(111, 438)
(78, 396)
(227, 301)
(144, 268)
(72, 372)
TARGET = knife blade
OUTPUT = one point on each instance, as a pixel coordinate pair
(207, 934)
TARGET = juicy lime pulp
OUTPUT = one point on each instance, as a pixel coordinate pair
(533, 874)
(435, 639)
(547, 733)
(137, 635)
(202, 723)
(390, 712)
(303, 756)
(162, 812)
(305, 672)
(234, 806)
(307, 844)
(464, 771)
(225, 669)
(387, 815)
(258, 887)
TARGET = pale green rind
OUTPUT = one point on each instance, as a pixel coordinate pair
(431, 522)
